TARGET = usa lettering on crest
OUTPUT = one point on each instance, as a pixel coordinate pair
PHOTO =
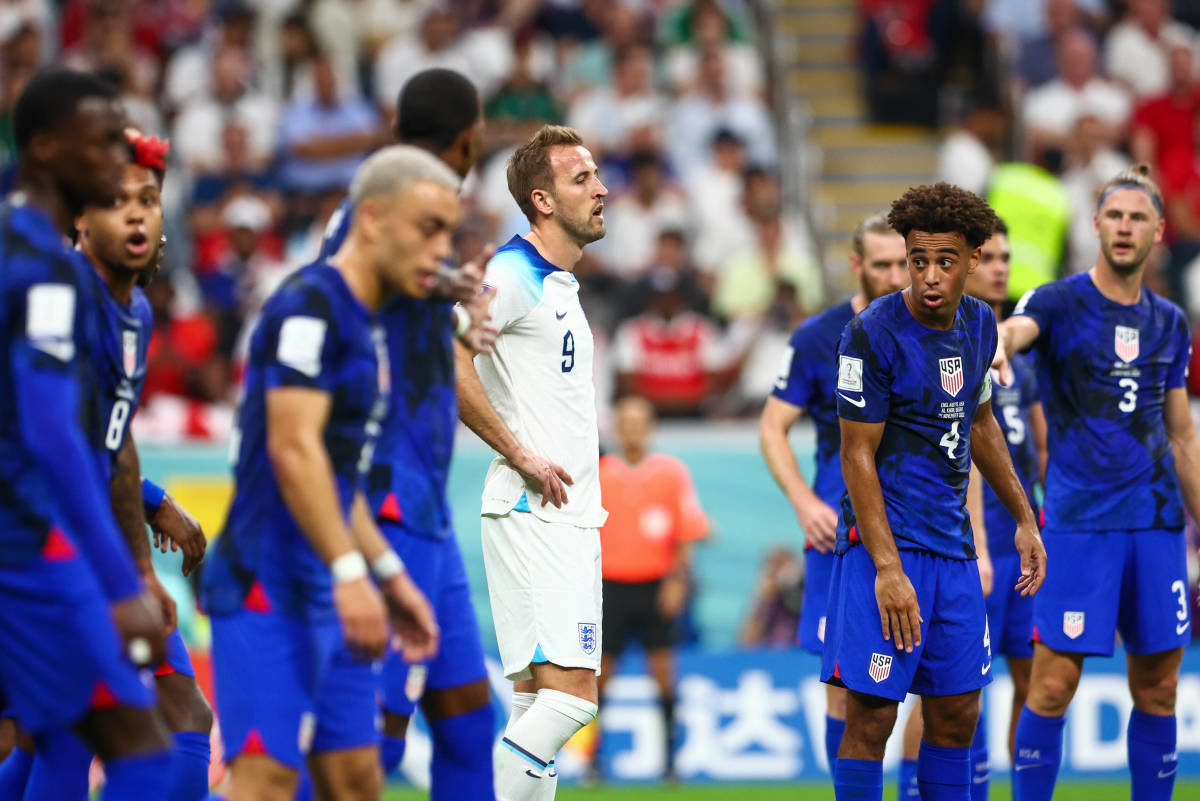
(587, 637)
(129, 347)
(881, 667)
(1126, 343)
(1072, 624)
(952, 374)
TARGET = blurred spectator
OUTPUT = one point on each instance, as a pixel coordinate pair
(191, 70)
(523, 102)
(715, 192)
(1036, 53)
(965, 156)
(778, 597)
(1164, 123)
(1136, 50)
(108, 43)
(703, 25)
(182, 358)
(636, 216)
(711, 107)
(748, 284)
(606, 117)
(588, 64)
(1029, 20)
(298, 52)
(668, 355)
(19, 58)
(1050, 111)
(903, 46)
(1034, 205)
(322, 140)
(1181, 195)
(1090, 164)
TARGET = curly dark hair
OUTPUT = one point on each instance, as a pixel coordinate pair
(944, 208)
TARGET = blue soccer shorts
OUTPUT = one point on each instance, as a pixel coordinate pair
(436, 566)
(60, 653)
(818, 570)
(1099, 583)
(287, 686)
(954, 655)
(1010, 616)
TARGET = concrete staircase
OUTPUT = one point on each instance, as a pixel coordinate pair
(861, 167)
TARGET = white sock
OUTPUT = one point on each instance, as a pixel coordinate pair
(520, 705)
(531, 742)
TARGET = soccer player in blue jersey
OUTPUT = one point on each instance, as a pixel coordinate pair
(438, 111)
(805, 384)
(1124, 460)
(906, 609)
(63, 671)
(295, 619)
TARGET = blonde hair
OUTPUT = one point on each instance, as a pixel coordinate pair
(1135, 177)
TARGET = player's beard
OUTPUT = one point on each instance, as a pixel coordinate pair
(1133, 262)
(582, 233)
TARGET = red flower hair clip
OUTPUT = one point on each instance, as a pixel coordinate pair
(148, 151)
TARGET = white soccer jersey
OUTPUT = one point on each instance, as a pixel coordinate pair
(539, 379)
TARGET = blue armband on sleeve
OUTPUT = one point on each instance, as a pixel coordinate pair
(152, 497)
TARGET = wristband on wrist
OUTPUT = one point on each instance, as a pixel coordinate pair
(349, 566)
(462, 321)
(387, 565)
(152, 497)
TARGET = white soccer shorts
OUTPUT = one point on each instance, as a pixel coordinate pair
(545, 587)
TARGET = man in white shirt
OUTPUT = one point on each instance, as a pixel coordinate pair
(1136, 49)
(532, 399)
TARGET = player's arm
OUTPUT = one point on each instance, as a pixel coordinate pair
(979, 529)
(817, 519)
(478, 414)
(296, 419)
(899, 613)
(1177, 415)
(1015, 335)
(1037, 422)
(410, 612)
(989, 452)
(174, 527)
(125, 491)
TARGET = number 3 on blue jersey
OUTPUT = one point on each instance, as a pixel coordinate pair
(568, 352)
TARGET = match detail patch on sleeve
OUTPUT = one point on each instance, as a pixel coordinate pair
(985, 390)
(850, 371)
(300, 342)
(50, 319)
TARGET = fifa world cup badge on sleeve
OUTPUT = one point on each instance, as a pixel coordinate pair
(881, 667)
(952, 374)
(850, 374)
(587, 637)
(1072, 624)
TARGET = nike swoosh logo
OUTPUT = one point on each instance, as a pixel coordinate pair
(860, 403)
(980, 779)
(558, 316)
(985, 669)
(1024, 767)
(1164, 775)
(1181, 628)
(531, 774)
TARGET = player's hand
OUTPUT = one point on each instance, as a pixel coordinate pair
(672, 596)
(139, 620)
(550, 479)
(462, 284)
(819, 522)
(482, 334)
(899, 612)
(174, 526)
(412, 618)
(1033, 559)
(166, 603)
(363, 617)
(987, 573)
(1002, 366)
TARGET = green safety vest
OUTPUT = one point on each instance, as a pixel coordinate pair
(1034, 206)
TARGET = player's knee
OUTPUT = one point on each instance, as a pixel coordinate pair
(362, 781)
(1051, 694)
(262, 779)
(201, 713)
(124, 731)
(395, 725)
(1154, 695)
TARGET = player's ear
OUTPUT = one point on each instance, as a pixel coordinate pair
(973, 261)
(541, 201)
(1160, 229)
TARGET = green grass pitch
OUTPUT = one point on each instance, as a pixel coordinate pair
(1066, 791)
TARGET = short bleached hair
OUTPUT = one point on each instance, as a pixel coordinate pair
(393, 169)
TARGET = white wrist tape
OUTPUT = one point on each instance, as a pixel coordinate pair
(348, 567)
(462, 321)
(387, 565)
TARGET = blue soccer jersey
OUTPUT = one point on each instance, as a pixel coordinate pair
(808, 376)
(925, 385)
(1103, 373)
(314, 334)
(1011, 405)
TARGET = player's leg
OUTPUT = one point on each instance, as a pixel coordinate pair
(810, 634)
(1011, 619)
(343, 760)
(16, 745)
(1054, 677)
(944, 764)
(1155, 625)
(189, 717)
(835, 722)
(352, 774)
(662, 670)
(858, 773)
(906, 782)
(1018, 670)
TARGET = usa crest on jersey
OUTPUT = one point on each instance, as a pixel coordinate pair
(952, 374)
(129, 351)
(1126, 343)
(881, 667)
(1072, 624)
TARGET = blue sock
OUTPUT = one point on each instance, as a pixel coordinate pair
(391, 753)
(137, 778)
(60, 768)
(1152, 756)
(907, 788)
(980, 772)
(462, 756)
(14, 773)
(1039, 755)
(188, 777)
(304, 785)
(858, 780)
(834, 729)
(943, 773)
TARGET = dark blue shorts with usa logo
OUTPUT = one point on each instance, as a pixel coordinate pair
(955, 654)
(1099, 583)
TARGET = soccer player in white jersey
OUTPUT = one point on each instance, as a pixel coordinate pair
(532, 400)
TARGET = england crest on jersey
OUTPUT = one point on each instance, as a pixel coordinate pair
(1072, 624)
(881, 667)
(1126, 343)
(587, 637)
(129, 350)
(952, 374)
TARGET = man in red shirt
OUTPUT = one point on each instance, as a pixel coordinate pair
(654, 518)
(1164, 125)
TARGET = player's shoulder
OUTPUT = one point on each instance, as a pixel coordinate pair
(978, 314)
(315, 290)
(337, 227)
(34, 248)
(1171, 314)
(825, 325)
(880, 320)
(139, 306)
